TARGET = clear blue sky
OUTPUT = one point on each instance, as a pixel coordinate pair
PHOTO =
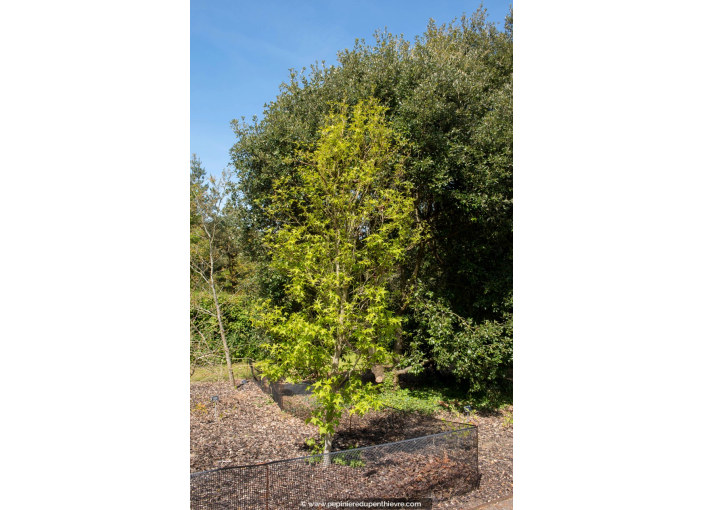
(242, 51)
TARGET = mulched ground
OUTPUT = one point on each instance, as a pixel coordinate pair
(495, 462)
(250, 428)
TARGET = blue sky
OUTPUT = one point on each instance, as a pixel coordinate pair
(242, 51)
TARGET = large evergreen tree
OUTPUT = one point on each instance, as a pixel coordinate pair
(449, 96)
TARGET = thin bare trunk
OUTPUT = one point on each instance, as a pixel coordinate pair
(327, 448)
(218, 312)
(207, 204)
(337, 354)
(223, 337)
(398, 342)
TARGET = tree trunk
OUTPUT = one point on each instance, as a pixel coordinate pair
(398, 343)
(327, 448)
(225, 348)
(378, 371)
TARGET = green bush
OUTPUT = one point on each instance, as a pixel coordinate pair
(478, 355)
(242, 337)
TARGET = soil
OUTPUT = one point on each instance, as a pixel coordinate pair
(250, 428)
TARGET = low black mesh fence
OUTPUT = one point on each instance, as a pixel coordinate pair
(437, 466)
(294, 398)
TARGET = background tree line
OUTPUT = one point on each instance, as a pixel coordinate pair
(448, 98)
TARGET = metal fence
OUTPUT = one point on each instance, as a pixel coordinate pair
(437, 466)
(290, 397)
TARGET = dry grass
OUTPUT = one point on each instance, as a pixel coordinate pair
(218, 373)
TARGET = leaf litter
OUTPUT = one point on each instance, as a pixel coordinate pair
(250, 428)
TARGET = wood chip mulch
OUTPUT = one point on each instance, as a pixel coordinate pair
(250, 428)
(495, 462)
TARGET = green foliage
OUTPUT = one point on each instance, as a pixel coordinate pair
(480, 354)
(449, 96)
(216, 220)
(432, 392)
(424, 399)
(352, 459)
(492, 397)
(242, 338)
(197, 172)
(408, 400)
(218, 319)
(508, 419)
(315, 446)
(342, 224)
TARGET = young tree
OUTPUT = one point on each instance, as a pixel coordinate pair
(207, 228)
(343, 222)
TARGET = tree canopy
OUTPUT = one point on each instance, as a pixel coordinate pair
(340, 227)
(448, 98)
